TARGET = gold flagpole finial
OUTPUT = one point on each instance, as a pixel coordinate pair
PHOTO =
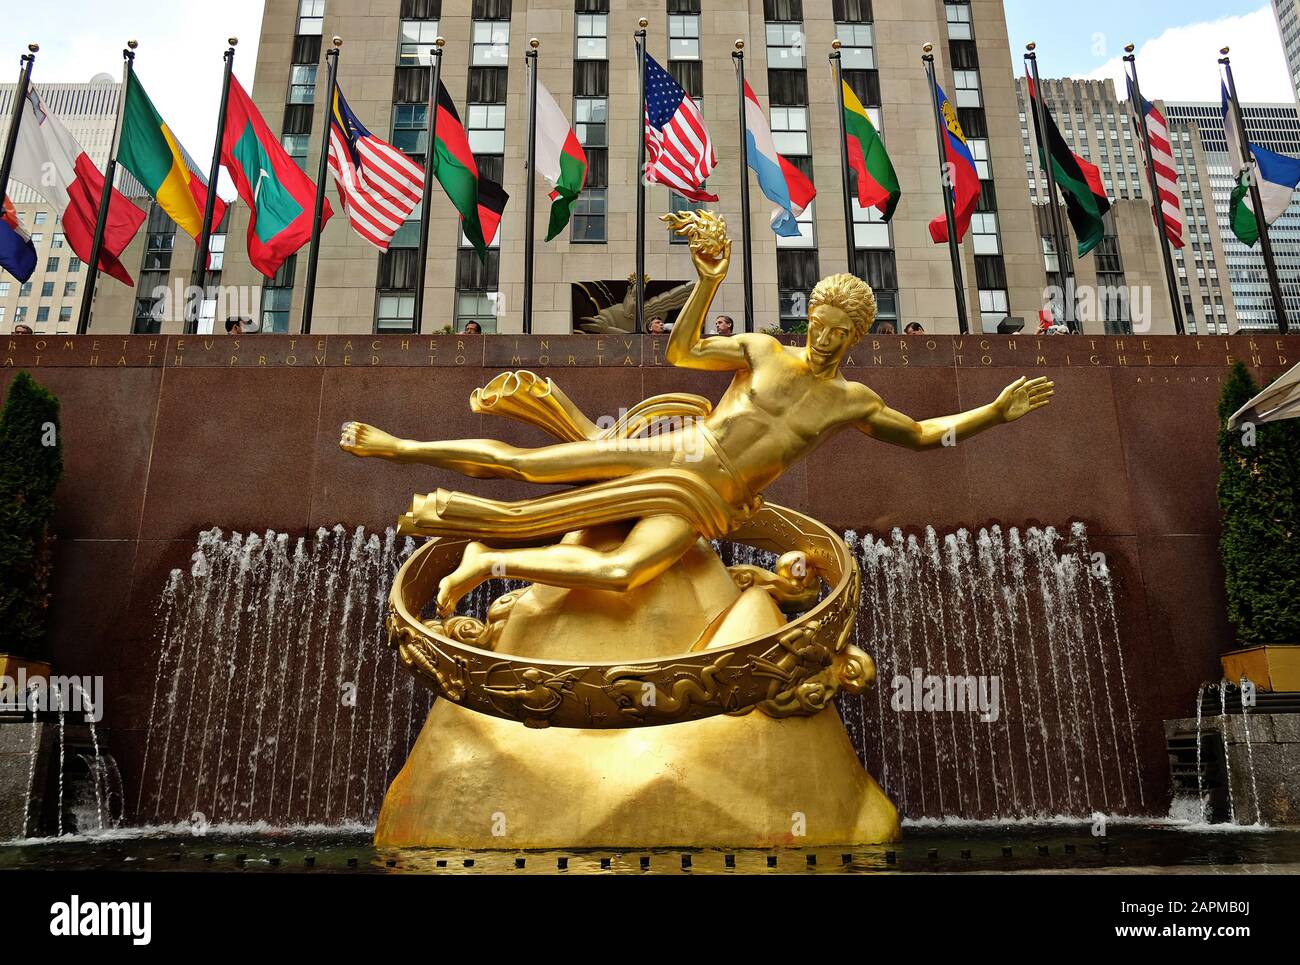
(337, 41)
(927, 48)
(1223, 51)
(534, 43)
(440, 42)
(233, 41)
(740, 44)
(643, 23)
(33, 47)
(1129, 48)
(835, 44)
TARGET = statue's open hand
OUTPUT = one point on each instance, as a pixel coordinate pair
(363, 440)
(1023, 396)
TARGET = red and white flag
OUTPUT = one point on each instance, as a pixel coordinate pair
(1162, 157)
(378, 184)
(48, 159)
(679, 153)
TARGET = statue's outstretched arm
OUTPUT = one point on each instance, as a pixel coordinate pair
(1015, 401)
(711, 252)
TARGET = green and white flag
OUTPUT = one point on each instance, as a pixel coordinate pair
(1277, 177)
(560, 160)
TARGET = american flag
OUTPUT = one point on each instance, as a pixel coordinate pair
(679, 153)
(1163, 159)
(378, 184)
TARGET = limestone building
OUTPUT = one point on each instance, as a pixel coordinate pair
(588, 63)
(1099, 127)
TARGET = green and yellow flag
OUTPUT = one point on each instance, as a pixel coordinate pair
(877, 183)
(150, 152)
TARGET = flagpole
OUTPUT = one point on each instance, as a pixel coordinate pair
(1248, 158)
(530, 58)
(1157, 206)
(738, 55)
(210, 201)
(1053, 210)
(849, 240)
(639, 321)
(331, 85)
(431, 130)
(954, 251)
(15, 118)
(106, 195)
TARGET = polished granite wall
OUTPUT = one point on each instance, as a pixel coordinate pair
(164, 437)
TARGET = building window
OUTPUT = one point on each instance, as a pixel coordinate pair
(409, 128)
(42, 314)
(857, 50)
(216, 252)
(51, 264)
(4, 289)
(589, 216)
(65, 313)
(796, 274)
(993, 309)
(790, 130)
(74, 265)
(302, 84)
(592, 30)
(417, 40)
(968, 88)
(984, 230)
(24, 289)
(683, 37)
(491, 43)
(807, 237)
(311, 17)
(40, 217)
(37, 238)
(394, 312)
(869, 228)
(57, 240)
(277, 297)
(959, 25)
(295, 145)
(69, 289)
(47, 289)
(20, 314)
(785, 42)
(487, 128)
(590, 118)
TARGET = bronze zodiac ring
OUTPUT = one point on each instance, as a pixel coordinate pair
(793, 671)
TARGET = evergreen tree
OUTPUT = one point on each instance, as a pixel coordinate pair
(1259, 493)
(31, 462)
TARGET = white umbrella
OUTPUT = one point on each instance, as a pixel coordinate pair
(1279, 401)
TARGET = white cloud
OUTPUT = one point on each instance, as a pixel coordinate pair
(1182, 63)
(178, 61)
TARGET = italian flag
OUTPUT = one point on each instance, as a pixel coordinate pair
(150, 151)
(48, 159)
(278, 192)
(877, 182)
(560, 159)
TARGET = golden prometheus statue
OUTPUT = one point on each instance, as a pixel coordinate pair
(666, 699)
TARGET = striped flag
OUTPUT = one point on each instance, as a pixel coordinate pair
(378, 184)
(679, 153)
(1162, 156)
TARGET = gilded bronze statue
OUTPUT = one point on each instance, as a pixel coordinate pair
(636, 660)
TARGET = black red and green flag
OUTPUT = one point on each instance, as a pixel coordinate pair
(278, 192)
(877, 185)
(1080, 182)
(478, 198)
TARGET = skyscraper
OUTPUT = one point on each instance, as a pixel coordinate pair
(587, 61)
(1277, 128)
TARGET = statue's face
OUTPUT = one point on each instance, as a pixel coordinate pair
(830, 334)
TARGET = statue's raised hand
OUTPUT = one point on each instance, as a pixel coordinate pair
(1023, 396)
(707, 234)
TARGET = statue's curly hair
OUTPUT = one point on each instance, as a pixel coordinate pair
(851, 295)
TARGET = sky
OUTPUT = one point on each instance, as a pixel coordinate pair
(1177, 44)
(179, 58)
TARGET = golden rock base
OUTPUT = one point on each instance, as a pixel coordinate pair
(475, 781)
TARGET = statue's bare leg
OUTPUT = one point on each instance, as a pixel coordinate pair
(564, 462)
(653, 545)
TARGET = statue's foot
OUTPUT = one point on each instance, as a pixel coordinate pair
(475, 568)
(363, 440)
